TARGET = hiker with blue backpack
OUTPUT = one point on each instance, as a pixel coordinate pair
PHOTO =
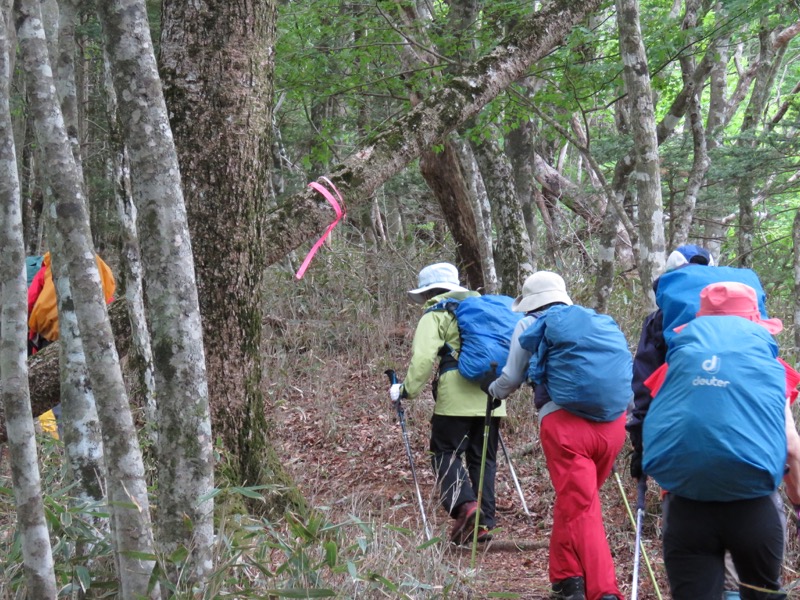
(580, 367)
(689, 268)
(651, 351)
(719, 437)
(457, 424)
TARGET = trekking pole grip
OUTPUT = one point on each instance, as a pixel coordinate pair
(641, 489)
(495, 402)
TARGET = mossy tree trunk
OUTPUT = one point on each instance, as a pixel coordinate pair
(185, 459)
(37, 557)
(127, 488)
(216, 65)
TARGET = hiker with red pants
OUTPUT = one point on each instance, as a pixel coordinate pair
(719, 436)
(580, 453)
(457, 425)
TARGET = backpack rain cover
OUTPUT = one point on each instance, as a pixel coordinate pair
(485, 324)
(715, 430)
(678, 293)
(583, 360)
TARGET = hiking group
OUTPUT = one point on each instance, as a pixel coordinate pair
(705, 401)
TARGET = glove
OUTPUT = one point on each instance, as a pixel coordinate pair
(396, 391)
(635, 433)
(486, 380)
(636, 464)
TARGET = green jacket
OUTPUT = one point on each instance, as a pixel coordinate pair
(456, 396)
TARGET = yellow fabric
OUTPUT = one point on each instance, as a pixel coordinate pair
(48, 422)
(44, 315)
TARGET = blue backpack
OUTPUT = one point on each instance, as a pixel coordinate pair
(32, 266)
(485, 324)
(715, 430)
(583, 360)
(678, 293)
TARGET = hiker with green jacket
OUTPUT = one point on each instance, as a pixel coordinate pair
(457, 425)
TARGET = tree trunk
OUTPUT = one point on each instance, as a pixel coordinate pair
(519, 143)
(683, 213)
(224, 158)
(130, 276)
(645, 141)
(65, 77)
(768, 61)
(513, 247)
(127, 490)
(185, 458)
(79, 421)
(481, 209)
(443, 174)
(14, 393)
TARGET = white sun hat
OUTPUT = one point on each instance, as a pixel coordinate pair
(442, 276)
(540, 289)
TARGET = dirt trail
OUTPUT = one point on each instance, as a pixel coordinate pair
(354, 447)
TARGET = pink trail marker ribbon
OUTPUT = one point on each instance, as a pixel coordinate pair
(337, 207)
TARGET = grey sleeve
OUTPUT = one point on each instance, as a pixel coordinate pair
(515, 370)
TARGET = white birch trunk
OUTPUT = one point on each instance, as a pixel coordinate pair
(36, 551)
(130, 257)
(79, 423)
(645, 140)
(184, 425)
(127, 490)
(513, 256)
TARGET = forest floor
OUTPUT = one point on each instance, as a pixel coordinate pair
(351, 447)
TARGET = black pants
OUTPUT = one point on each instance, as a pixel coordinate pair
(696, 535)
(454, 439)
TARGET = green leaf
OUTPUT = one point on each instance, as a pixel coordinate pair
(302, 593)
(250, 492)
(431, 542)
(179, 555)
(84, 577)
(331, 553)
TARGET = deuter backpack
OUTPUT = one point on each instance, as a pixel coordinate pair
(582, 359)
(678, 293)
(715, 430)
(485, 324)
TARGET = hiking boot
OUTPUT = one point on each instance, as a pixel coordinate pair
(570, 588)
(465, 521)
(484, 535)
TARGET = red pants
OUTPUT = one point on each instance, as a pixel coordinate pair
(580, 455)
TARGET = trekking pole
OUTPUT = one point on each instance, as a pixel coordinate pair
(513, 474)
(642, 490)
(401, 416)
(640, 544)
(491, 404)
